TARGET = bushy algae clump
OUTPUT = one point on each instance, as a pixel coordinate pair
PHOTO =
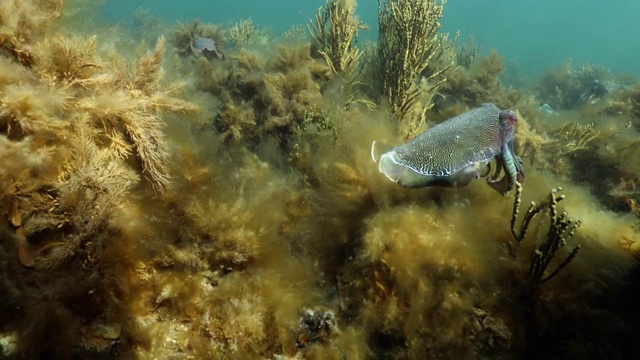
(249, 221)
(78, 134)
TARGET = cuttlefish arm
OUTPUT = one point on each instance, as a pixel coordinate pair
(512, 166)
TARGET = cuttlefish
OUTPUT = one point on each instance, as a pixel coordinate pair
(203, 45)
(456, 151)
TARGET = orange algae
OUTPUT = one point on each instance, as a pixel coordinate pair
(236, 213)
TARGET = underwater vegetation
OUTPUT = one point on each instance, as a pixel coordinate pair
(467, 52)
(409, 45)
(570, 86)
(335, 33)
(164, 202)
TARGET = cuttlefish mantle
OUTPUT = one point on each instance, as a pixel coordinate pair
(456, 151)
(202, 45)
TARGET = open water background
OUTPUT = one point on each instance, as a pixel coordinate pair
(534, 34)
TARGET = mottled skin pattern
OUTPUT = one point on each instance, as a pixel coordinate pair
(456, 151)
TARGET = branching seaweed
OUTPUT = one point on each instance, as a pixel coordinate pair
(576, 137)
(71, 60)
(561, 228)
(19, 24)
(335, 33)
(408, 42)
(245, 33)
(91, 187)
(138, 102)
(240, 33)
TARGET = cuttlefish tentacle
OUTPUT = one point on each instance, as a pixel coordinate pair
(513, 169)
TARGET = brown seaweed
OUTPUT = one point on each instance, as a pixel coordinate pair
(146, 228)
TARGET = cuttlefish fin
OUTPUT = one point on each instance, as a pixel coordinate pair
(378, 149)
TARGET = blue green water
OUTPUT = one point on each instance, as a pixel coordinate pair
(534, 34)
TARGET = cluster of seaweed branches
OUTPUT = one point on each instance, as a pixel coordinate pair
(123, 105)
(77, 132)
(408, 42)
(335, 33)
(244, 33)
(561, 228)
(86, 130)
(576, 137)
(275, 97)
(19, 27)
(241, 32)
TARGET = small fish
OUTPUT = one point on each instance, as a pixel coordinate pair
(453, 153)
